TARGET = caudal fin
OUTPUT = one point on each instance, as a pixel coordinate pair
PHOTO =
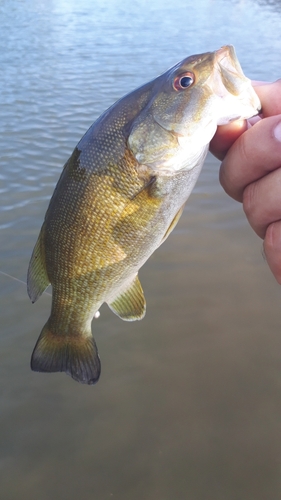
(75, 355)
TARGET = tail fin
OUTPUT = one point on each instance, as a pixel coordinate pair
(75, 355)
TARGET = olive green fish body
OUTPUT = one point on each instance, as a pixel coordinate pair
(120, 194)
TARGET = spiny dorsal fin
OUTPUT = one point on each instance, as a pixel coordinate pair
(37, 278)
(130, 304)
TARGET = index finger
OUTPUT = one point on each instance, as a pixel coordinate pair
(270, 97)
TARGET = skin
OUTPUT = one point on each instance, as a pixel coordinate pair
(251, 169)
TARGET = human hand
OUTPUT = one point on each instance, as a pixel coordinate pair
(251, 169)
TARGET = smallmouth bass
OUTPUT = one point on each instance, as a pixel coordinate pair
(119, 196)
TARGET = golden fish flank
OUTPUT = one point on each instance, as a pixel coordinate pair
(120, 195)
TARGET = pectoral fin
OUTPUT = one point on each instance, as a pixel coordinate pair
(173, 223)
(130, 304)
(37, 278)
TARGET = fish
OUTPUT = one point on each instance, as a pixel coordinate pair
(120, 195)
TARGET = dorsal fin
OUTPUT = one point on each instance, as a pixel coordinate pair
(130, 304)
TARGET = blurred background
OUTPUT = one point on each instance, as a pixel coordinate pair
(189, 401)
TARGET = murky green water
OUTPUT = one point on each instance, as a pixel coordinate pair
(189, 402)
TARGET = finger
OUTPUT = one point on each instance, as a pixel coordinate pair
(262, 202)
(225, 136)
(270, 97)
(254, 154)
(272, 248)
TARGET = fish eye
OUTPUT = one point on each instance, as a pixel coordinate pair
(184, 81)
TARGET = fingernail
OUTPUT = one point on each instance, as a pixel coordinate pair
(253, 120)
(277, 132)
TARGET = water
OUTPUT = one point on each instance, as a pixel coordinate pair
(188, 404)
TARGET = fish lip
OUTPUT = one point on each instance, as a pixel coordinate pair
(226, 57)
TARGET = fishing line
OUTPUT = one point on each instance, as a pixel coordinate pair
(20, 281)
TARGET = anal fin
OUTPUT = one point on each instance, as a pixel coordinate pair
(37, 278)
(130, 305)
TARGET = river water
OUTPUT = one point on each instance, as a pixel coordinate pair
(189, 402)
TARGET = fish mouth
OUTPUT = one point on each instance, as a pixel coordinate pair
(228, 78)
